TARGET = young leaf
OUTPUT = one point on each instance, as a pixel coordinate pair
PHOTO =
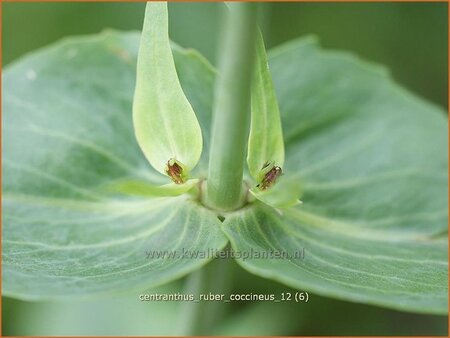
(63, 236)
(165, 123)
(265, 145)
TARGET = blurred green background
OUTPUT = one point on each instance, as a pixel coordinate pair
(126, 315)
(409, 38)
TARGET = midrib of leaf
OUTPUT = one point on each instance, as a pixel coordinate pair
(148, 266)
(326, 276)
(105, 205)
(349, 232)
(152, 230)
(356, 231)
(407, 296)
(393, 279)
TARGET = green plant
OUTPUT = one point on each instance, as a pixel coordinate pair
(82, 206)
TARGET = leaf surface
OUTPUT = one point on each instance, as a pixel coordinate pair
(68, 134)
(165, 123)
(371, 159)
(265, 144)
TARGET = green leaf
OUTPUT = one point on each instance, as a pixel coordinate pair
(58, 248)
(265, 144)
(143, 188)
(67, 133)
(368, 155)
(165, 123)
(371, 160)
(343, 260)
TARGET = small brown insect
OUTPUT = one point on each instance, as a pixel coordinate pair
(175, 171)
(270, 177)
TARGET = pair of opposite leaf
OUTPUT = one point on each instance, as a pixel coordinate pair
(168, 131)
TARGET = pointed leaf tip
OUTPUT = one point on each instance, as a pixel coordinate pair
(266, 143)
(165, 123)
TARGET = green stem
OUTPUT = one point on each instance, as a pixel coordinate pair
(200, 318)
(232, 108)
